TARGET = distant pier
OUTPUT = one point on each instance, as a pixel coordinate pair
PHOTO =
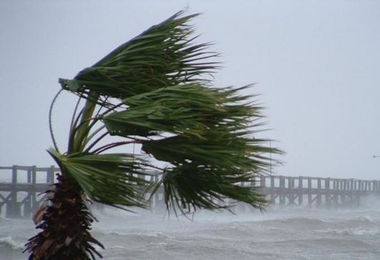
(21, 188)
(316, 191)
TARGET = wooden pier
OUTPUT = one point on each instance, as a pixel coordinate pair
(20, 187)
(315, 191)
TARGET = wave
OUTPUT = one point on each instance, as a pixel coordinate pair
(367, 219)
(351, 232)
(325, 220)
(299, 222)
(120, 233)
(9, 242)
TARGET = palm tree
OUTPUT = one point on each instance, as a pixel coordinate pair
(155, 92)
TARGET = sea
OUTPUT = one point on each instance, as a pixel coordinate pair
(276, 233)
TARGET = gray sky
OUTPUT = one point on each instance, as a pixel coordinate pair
(316, 65)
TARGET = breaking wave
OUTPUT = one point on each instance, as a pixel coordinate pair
(9, 242)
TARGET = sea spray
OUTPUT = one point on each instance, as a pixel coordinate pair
(277, 233)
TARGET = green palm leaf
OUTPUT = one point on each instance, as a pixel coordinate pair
(162, 56)
(190, 109)
(195, 186)
(112, 179)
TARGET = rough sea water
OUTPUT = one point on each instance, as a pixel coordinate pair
(278, 233)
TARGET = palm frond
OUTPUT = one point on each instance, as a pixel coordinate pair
(212, 142)
(113, 179)
(194, 186)
(190, 109)
(164, 55)
(222, 151)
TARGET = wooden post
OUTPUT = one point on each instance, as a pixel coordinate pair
(343, 192)
(300, 191)
(13, 209)
(327, 192)
(351, 191)
(28, 206)
(309, 196)
(291, 190)
(262, 182)
(50, 175)
(29, 178)
(271, 188)
(282, 190)
(336, 191)
(34, 181)
(319, 192)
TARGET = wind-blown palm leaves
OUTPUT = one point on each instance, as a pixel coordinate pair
(154, 91)
(162, 56)
(112, 179)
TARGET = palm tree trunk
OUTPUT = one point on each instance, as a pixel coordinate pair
(65, 223)
(66, 220)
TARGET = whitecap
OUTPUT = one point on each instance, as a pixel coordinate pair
(9, 242)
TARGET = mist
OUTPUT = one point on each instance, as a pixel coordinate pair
(314, 65)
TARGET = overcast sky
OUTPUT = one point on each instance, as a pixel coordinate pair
(316, 65)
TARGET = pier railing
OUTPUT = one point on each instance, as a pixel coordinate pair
(21, 188)
(286, 190)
